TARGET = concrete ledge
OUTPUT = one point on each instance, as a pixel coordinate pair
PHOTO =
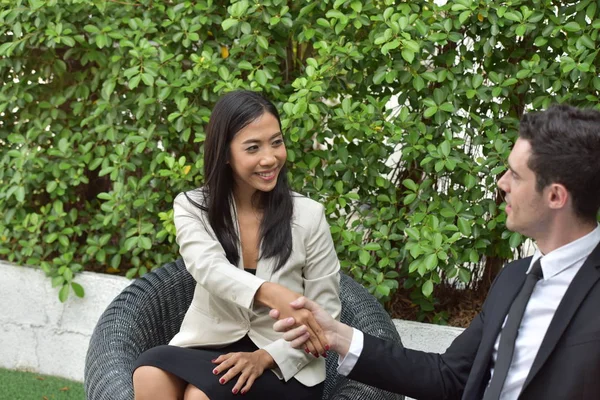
(40, 334)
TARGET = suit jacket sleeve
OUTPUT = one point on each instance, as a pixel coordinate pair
(321, 283)
(205, 258)
(388, 365)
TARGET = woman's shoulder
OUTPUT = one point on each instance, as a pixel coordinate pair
(195, 198)
(305, 207)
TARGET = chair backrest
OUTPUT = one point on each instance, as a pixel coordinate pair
(149, 313)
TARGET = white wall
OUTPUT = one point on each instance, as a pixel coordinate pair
(37, 332)
(40, 334)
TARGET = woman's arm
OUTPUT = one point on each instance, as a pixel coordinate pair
(321, 283)
(205, 258)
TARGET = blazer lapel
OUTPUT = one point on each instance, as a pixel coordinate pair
(501, 296)
(578, 289)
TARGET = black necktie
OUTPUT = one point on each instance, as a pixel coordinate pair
(509, 333)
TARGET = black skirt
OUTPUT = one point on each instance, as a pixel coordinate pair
(193, 365)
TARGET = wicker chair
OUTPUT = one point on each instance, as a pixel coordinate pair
(149, 312)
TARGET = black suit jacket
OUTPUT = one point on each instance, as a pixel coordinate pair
(567, 365)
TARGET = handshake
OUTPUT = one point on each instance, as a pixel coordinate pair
(315, 330)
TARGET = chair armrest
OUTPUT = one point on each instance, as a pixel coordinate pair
(145, 314)
(361, 310)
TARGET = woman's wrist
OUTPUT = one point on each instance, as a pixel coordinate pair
(267, 360)
(264, 293)
(274, 295)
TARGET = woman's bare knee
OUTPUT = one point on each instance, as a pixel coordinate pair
(155, 383)
(193, 393)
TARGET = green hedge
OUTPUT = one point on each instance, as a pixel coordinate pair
(103, 106)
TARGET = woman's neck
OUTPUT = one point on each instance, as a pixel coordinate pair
(246, 201)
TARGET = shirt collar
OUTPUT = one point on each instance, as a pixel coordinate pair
(566, 256)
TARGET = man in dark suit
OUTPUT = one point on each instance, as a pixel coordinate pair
(538, 334)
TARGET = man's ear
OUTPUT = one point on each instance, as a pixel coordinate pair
(558, 196)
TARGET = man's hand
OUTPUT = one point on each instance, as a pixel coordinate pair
(248, 366)
(338, 335)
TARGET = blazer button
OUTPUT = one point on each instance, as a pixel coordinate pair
(233, 297)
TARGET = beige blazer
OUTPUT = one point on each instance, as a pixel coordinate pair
(223, 310)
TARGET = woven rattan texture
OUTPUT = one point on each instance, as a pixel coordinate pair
(149, 312)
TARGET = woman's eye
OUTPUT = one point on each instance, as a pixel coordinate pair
(252, 149)
(277, 142)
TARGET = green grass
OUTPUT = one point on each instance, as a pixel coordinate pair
(17, 385)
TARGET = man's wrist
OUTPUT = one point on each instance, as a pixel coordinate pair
(343, 338)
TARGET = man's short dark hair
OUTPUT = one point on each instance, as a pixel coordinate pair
(565, 146)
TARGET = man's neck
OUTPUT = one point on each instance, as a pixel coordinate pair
(557, 238)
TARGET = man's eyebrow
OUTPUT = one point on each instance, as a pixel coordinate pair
(258, 141)
(512, 169)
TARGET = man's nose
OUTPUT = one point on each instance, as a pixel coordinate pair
(502, 182)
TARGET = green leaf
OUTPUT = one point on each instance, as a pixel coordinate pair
(515, 240)
(339, 187)
(20, 194)
(145, 243)
(464, 226)
(587, 42)
(410, 184)
(261, 77)
(244, 65)
(385, 49)
(431, 261)
(229, 23)
(148, 79)
(77, 289)
(6, 49)
(51, 186)
(364, 257)
(448, 107)
(509, 82)
(430, 111)
(262, 42)
(427, 288)
(335, 14)
(445, 148)
(572, 27)
(464, 275)
(409, 198)
(413, 233)
(372, 246)
(63, 294)
(91, 29)
(224, 73)
(130, 243)
(418, 83)
(513, 16)
(408, 55)
(135, 81)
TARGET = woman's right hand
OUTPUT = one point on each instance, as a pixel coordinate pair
(279, 297)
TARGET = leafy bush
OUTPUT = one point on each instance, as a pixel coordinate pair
(104, 105)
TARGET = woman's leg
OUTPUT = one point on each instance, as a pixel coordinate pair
(153, 383)
(193, 393)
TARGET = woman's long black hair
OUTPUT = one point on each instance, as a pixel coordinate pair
(232, 113)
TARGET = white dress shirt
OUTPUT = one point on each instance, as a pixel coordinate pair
(559, 267)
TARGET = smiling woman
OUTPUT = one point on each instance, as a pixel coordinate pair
(251, 245)
(257, 155)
